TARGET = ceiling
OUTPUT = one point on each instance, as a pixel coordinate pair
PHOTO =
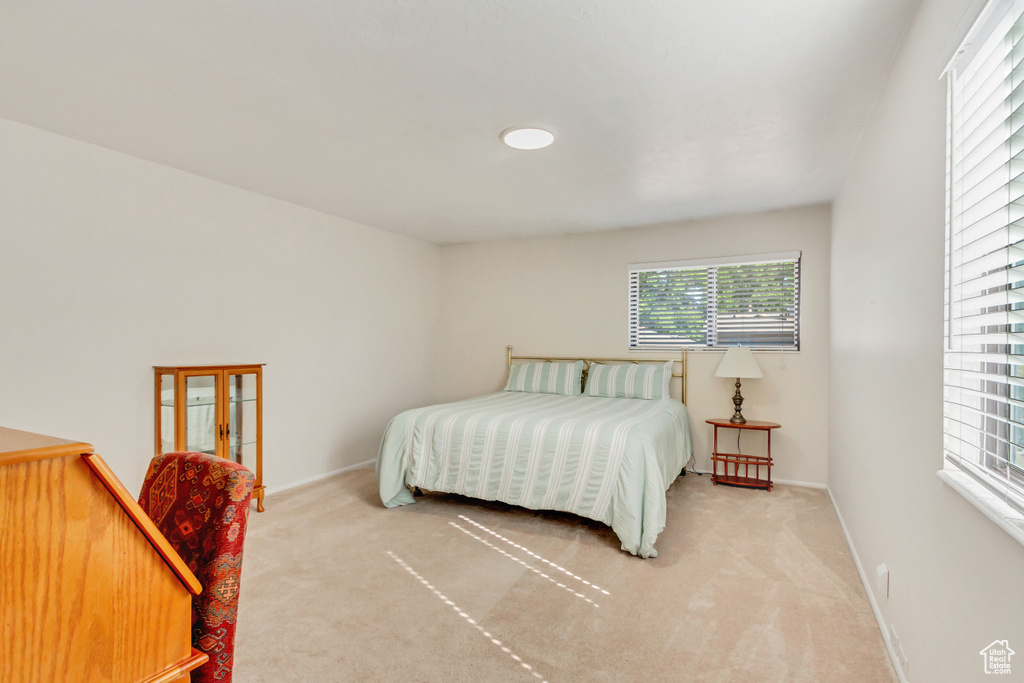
(388, 112)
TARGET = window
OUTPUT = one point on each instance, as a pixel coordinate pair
(744, 301)
(983, 376)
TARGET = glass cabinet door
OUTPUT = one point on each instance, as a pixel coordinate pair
(201, 423)
(242, 419)
(165, 428)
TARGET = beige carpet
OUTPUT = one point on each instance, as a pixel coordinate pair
(748, 586)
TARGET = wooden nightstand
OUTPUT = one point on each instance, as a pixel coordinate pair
(738, 460)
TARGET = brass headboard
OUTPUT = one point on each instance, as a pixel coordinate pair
(587, 362)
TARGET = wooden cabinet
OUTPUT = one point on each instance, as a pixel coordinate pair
(739, 469)
(216, 409)
(90, 590)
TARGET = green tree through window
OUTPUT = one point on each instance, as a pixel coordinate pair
(722, 304)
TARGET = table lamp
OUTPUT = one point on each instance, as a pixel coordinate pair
(739, 362)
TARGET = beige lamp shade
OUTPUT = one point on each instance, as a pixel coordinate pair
(739, 362)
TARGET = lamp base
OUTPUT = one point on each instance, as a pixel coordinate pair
(737, 401)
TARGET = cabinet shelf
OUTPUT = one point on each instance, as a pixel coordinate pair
(207, 402)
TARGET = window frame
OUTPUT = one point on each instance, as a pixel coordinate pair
(980, 417)
(713, 321)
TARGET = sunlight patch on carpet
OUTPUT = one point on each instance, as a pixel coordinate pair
(519, 561)
(462, 613)
(533, 554)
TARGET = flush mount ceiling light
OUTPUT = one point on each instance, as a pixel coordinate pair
(527, 138)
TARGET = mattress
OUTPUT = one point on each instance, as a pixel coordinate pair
(607, 459)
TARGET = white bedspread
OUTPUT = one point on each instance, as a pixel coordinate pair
(606, 459)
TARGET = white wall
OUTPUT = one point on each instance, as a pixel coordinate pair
(110, 265)
(566, 296)
(955, 577)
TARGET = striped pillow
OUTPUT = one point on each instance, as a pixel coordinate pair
(547, 378)
(629, 380)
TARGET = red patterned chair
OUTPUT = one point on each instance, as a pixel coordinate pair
(201, 504)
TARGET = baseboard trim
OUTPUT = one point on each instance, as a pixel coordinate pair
(867, 589)
(805, 484)
(787, 482)
(318, 477)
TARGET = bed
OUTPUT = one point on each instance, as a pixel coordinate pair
(600, 438)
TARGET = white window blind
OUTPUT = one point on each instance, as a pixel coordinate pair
(984, 333)
(749, 301)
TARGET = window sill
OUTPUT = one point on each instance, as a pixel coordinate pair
(1000, 512)
(710, 349)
